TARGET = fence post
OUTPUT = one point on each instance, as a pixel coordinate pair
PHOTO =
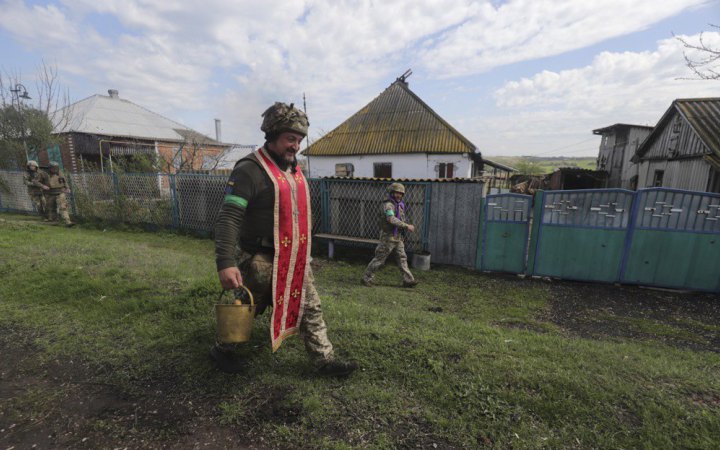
(480, 234)
(426, 217)
(116, 184)
(629, 236)
(175, 203)
(535, 230)
(325, 202)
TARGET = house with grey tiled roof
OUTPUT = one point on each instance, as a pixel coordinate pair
(98, 131)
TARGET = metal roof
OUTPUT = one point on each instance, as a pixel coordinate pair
(703, 116)
(620, 125)
(498, 165)
(112, 116)
(396, 121)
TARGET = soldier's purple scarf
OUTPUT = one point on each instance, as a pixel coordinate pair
(398, 206)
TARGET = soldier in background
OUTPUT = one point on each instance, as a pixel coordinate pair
(55, 199)
(36, 181)
(392, 227)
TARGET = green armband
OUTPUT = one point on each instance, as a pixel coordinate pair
(235, 200)
(389, 212)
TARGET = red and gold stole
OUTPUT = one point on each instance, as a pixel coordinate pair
(292, 248)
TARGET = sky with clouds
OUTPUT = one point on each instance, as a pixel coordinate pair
(516, 77)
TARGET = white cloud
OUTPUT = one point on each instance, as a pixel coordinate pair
(195, 61)
(630, 87)
(521, 30)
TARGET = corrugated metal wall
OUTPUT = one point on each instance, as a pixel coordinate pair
(690, 174)
(688, 142)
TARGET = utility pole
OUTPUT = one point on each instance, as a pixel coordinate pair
(307, 139)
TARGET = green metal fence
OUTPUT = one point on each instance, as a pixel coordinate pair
(505, 233)
(675, 240)
(580, 235)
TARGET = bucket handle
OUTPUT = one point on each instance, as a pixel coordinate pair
(223, 291)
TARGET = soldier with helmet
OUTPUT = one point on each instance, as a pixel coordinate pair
(392, 226)
(262, 240)
(55, 199)
(36, 181)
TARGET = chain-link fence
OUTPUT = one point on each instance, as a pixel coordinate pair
(353, 208)
(139, 199)
(342, 207)
(13, 193)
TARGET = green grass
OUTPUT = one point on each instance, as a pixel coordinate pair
(486, 370)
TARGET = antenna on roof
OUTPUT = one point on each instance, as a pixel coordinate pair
(404, 76)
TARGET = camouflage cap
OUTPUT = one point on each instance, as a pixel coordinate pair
(396, 187)
(54, 164)
(32, 163)
(281, 117)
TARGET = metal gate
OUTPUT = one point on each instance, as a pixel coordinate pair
(505, 233)
(675, 240)
(580, 235)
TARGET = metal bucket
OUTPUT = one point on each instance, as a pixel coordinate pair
(234, 320)
(421, 261)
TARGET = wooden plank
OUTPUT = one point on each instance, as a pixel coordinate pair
(337, 237)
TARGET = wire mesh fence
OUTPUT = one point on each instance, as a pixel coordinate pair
(138, 199)
(353, 208)
(191, 201)
(13, 192)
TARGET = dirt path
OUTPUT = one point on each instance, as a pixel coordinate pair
(77, 413)
(684, 320)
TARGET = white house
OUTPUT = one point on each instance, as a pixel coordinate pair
(683, 150)
(396, 135)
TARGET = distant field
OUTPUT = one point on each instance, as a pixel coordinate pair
(546, 165)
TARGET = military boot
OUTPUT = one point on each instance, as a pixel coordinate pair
(410, 284)
(226, 360)
(338, 368)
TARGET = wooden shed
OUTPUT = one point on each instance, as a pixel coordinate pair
(683, 150)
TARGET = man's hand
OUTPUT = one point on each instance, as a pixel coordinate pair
(45, 188)
(411, 228)
(230, 278)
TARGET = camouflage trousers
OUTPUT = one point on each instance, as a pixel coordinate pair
(38, 201)
(57, 204)
(386, 247)
(257, 272)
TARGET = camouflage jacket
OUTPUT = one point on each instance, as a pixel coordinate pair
(35, 181)
(57, 183)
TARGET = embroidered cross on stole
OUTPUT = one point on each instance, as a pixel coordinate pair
(292, 248)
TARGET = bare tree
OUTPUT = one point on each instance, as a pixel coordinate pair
(52, 98)
(701, 57)
(195, 152)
